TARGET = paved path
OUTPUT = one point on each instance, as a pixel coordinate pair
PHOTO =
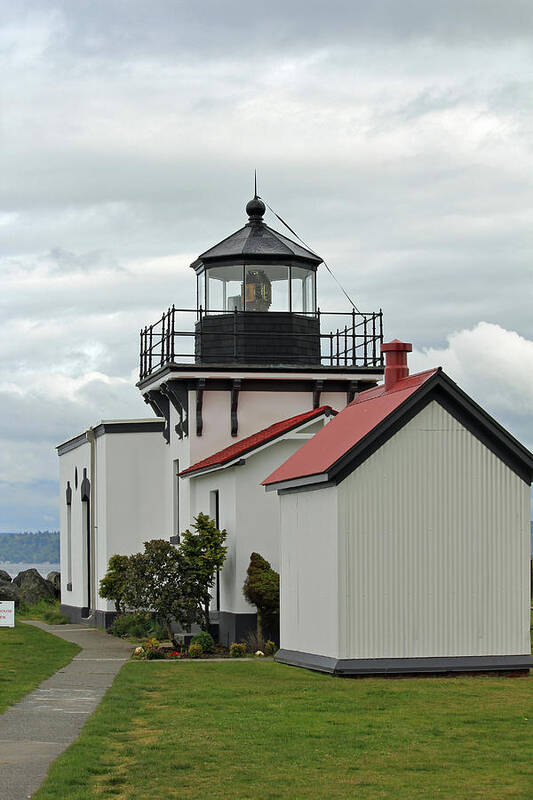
(38, 728)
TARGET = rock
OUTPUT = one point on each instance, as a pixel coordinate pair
(54, 578)
(21, 577)
(32, 587)
(8, 591)
(5, 576)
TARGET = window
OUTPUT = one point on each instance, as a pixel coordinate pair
(261, 287)
(224, 288)
(302, 290)
(214, 513)
(85, 491)
(267, 288)
(200, 290)
(68, 494)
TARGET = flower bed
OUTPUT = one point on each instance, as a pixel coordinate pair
(152, 650)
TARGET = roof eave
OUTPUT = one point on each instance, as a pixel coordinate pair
(289, 259)
(476, 419)
(235, 461)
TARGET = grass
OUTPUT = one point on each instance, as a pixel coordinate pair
(263, 730)
(45, 611)
(28, 656)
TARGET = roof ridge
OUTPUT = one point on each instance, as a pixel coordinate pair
(359, 399)
(273, 235)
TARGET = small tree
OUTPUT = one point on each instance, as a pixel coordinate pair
(261, 589)
(112, 585)
(203, 553)
(154, 582)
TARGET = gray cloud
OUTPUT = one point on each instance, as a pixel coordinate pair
(210, 29)
(395, 138)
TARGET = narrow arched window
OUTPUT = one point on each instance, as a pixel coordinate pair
(68, 501)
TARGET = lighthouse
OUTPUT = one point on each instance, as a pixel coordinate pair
(375, 494)
(256, 349)
(234, 387)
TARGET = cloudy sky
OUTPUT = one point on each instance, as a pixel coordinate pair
(396, 138)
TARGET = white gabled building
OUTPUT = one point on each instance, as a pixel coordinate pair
(112, 500)
(405, 535)
(258, 352)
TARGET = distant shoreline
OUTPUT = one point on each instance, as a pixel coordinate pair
(30, 547)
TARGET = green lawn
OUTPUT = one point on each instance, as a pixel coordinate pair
(28, 656)
(263, 730)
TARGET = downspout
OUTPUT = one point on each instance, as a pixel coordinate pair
(91, 438)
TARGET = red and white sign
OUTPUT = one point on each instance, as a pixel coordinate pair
(7, 614)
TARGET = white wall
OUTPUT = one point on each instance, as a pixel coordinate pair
(129, 490)
(249, 514)
(136, 494)
(79, 459)
(200, 488)
(309, 569)
(433, 547)
(177, 449)
(256, 410)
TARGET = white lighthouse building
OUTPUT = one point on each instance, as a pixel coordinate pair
(396, 514)
(236, 386)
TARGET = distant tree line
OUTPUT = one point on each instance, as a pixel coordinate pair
(35, 548)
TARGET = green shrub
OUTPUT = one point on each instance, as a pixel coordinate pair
(261, 589)
(113, 584)
(196, 650)
(270, 648)
(121, 625)
(151, 655)
(237, 650)
(138, 625)
(205, 639)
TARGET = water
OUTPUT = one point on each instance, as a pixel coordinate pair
(14, 568)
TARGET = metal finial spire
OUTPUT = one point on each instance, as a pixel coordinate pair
(255, 208)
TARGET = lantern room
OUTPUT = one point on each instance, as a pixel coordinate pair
(256, 297)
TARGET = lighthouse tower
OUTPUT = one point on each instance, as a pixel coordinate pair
(257, 349)
(236, 385)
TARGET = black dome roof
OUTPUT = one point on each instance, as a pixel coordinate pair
(257, 242)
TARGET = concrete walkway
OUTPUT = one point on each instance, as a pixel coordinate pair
(38, 728)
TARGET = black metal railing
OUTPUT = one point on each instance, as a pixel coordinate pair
(355, 342)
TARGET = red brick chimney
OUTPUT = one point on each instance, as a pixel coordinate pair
(395, 361)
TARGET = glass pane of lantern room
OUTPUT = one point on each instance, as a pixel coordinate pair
(267, 288)
(224, 286)
(215, 293)
(301, 296)
(200, 290)
(310, 292)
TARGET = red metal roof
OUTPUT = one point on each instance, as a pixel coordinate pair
(348, 428)
(256, 439)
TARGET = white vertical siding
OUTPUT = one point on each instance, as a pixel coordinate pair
(79, 459)
(433, 548)
(137, 491)
(249, 514)
(309, 610)
(199, 489)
